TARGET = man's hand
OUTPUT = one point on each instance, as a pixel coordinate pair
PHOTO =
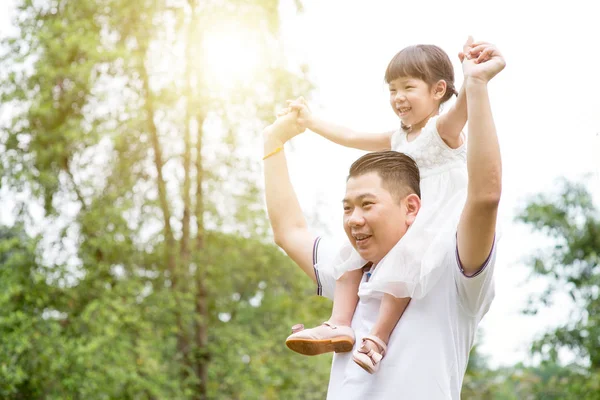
(304, 114)
(283, 129)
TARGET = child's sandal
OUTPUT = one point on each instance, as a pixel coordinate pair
(369, 359)
(324, 338)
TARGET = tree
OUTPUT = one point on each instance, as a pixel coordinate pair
(546, 381)
(152, 228)
(27, 324)
(570, 219)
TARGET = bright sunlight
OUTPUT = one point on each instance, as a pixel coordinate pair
(231, 54)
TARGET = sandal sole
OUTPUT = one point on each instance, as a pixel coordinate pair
(364, 366)
(309, 347)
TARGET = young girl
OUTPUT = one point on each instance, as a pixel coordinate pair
(420, 79)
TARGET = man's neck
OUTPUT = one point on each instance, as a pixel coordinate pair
(368, 269)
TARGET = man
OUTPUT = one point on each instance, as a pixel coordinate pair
(428, 350)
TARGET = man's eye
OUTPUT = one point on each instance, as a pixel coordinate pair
(367, 204)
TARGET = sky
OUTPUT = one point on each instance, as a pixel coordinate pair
(545, 105)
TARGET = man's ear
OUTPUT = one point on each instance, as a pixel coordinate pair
(439, 89)
(413, 205)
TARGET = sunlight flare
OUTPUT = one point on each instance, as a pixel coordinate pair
(231, 55)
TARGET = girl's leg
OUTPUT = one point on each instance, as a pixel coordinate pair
(335, 334)
(390, 311)
(345, 297)
(373, 347)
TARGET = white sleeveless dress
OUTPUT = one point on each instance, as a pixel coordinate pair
(413, 265)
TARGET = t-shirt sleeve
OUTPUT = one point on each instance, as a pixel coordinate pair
(476, 291)
(324, 253)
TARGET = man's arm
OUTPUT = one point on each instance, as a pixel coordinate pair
(290, 229)
(477, 226)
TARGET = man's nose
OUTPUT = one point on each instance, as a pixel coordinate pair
(356, 218)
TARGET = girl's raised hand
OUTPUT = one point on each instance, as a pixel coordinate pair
(466, 49)
(481, 61)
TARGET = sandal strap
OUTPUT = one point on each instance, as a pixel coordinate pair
(378, 342)
(374, 356)
(365, 350)
(329, 324)
(297, 328)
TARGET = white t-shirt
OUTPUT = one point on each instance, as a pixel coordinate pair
(429, 348)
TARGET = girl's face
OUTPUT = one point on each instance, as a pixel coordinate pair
(414, 101)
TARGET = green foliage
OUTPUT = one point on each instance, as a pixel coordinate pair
(148, 274)
(548, 381)
(121, 343)
(571, 223)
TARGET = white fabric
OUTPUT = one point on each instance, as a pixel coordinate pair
(411, 268)
(429, 348)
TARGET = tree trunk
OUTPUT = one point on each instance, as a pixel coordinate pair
(201, 328)
(182, 345)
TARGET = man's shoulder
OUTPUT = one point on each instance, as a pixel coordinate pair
(326, 249)
(476, 291)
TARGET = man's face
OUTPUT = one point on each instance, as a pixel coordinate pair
(373, 220)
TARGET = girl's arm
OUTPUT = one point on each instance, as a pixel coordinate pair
(350, 138)
(340, 134)
(451, 124)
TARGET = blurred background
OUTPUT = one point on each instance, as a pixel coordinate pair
(135, 255)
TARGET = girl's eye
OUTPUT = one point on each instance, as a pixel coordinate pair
(367, 204)
(410, 87)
